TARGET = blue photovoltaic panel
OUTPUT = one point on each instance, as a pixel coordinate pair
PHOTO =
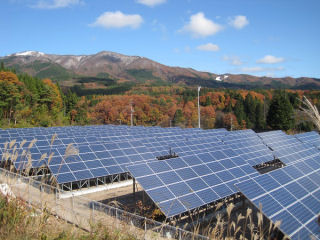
(312, 138)
(190, 178)
(288, 194)
(91, 157)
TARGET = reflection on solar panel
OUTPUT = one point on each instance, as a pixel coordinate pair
(288, 148)
(290, 194)
(191, 181)
(248, 145)
(312, 138)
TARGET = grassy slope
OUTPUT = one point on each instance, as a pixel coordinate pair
(18, 221)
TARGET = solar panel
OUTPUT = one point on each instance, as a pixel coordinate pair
(288, 194)
(193, 180)
(312, 138)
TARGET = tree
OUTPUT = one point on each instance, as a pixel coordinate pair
(260, 123)
(239, 111)
(228, 108)
(208, 101)
(280, 115)
(10, 94)
(178, 117)
(250, 110)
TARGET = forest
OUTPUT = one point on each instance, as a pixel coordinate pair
(26, 101)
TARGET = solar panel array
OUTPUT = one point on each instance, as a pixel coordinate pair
(91, 157)
(205, 172)
(290, 195)
(209, 165)
(100, 150)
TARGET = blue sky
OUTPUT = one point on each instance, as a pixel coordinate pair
(259, 37)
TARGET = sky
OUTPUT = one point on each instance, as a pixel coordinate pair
(275, 38)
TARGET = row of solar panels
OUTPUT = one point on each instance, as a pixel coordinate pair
(95, 156)
(116, 156)
(97, 160)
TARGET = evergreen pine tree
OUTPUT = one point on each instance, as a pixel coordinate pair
(239, 111)
(250, 110)
(260, 122)
(280, 115)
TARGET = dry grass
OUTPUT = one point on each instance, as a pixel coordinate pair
(18, 221)
(311, 111)
(229, 223)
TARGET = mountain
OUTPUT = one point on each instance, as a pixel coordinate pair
(108, 68)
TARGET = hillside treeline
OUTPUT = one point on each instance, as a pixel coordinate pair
(26, 101)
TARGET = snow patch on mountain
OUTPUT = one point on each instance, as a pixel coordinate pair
(221, 78)
(29, 53)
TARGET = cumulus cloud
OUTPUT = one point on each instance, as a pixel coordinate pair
(260, 69)
(233, 60)
(200, 26)
(118, 20)
(210, 47)
(44, 4)
(151, 3)
(238, 22)
(269, 59)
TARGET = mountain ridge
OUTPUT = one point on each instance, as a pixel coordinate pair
(123, 68)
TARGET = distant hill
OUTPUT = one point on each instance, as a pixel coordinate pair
(108, 68)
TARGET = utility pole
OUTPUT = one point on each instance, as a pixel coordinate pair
(199, 106)
(231, 123)
(131, 114)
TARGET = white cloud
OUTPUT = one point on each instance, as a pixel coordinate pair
(233, 60)
(261, 69)
(239, 22)
(200, 26)
(118, 20)
(151, 3)
(44, 4)
(269, 59)
(209, 47)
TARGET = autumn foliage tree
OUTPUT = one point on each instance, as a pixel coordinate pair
(27, 100)
(11, 94)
